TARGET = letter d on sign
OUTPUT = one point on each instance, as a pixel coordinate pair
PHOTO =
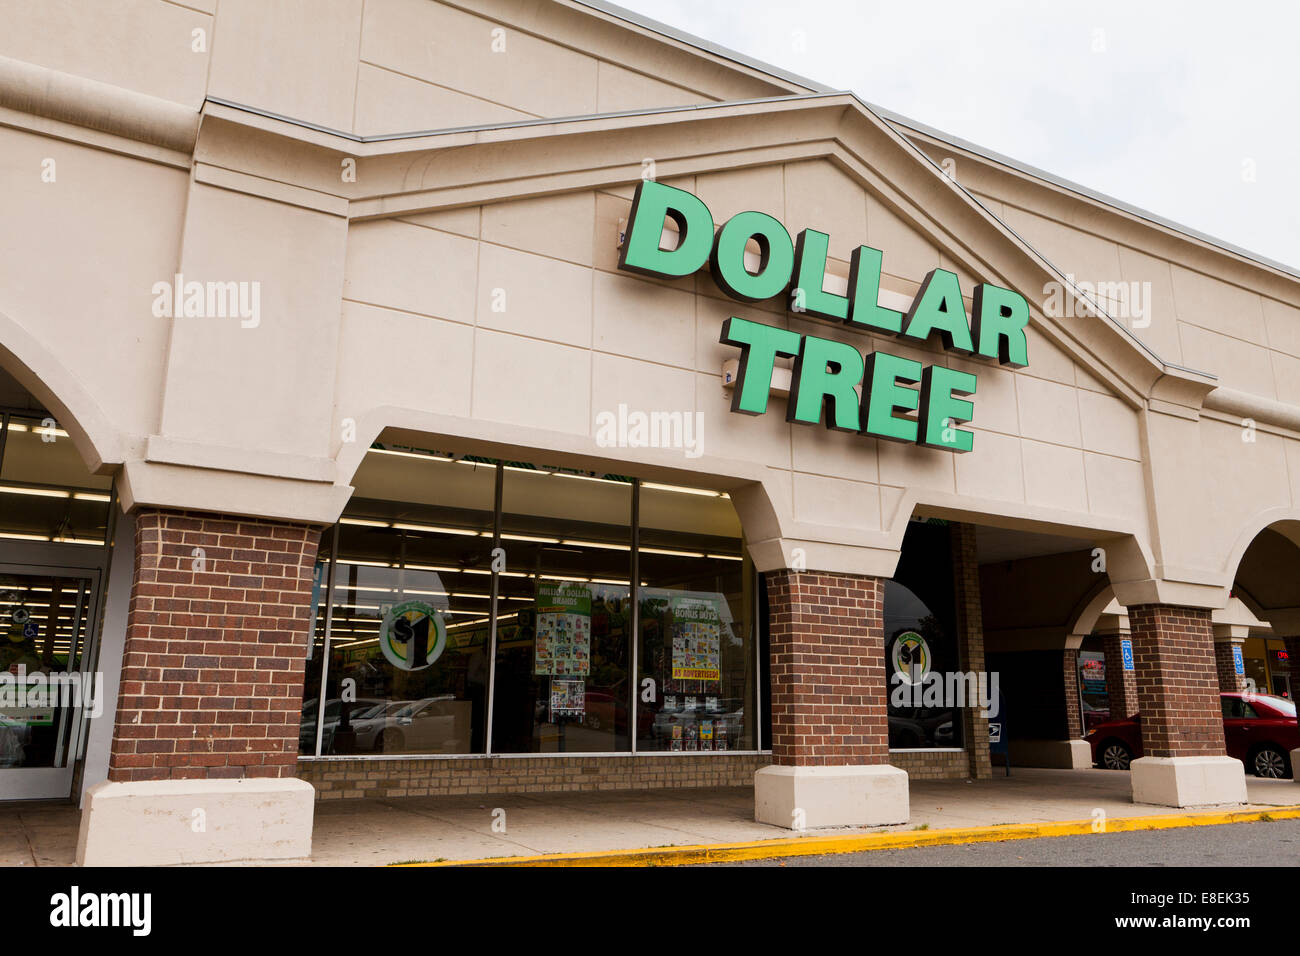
(641, 251)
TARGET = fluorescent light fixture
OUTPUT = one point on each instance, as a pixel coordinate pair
(66, 540)
(364, 522)
(365, 564)
(24, 537)
(405, 454)
(703, 492)
(561, 577)
(435, 529)
(670, 551)
(36, 492)
(727, 557)
(38, 430)
(459, 624)
(91, 496)
(597, 544)
(529, 537)
(607, 481)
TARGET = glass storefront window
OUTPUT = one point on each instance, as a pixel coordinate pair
(564, 614)
(438, 557)
(43, 620)
(921, 641)
(46, 493)
(406, 656)
(696, 663)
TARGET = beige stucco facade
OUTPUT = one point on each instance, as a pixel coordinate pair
(429, 197)
(1120, 434)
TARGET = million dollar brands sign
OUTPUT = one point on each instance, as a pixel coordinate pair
(826, 372)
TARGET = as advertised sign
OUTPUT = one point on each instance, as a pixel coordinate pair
(697, 634)
(902, 399)
(412, 635)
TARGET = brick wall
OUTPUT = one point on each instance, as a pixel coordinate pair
(1229, 679)
(349, 779)
(935, 764)
(1121, 685)
(448, 776)
(1178, 685)
(970, 642)
(212, 670)
(1070, 688)
(827, 663)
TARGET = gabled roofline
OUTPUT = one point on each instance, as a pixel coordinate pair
(382, 198)
(707, 46)
(897, 119)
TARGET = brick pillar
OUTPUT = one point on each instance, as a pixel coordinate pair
(970, 641)
(1226, 666)
(212, 671)
(1070, 687)
(827, 665)
(1121, 685)
(1178, 686)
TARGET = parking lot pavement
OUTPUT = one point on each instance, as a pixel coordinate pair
(1274, 843)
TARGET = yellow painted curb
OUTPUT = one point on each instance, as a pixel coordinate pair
(857, 843)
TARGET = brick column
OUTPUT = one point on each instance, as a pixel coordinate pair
(830, 728)
(827, 669)
(1226, 666)
(1121, 685)
(1070, 687)
(1178, 686)
(216, 639)
(970, 641)
(1184, 763)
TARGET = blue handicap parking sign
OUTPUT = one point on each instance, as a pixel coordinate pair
(1237, 663)
(1126, 651)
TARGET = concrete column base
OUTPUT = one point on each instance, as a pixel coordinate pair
(1295, 765)
(1188, 781)
(169, 822)
(1063, 754)
(811, 797)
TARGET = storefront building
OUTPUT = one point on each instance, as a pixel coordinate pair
(474, 397)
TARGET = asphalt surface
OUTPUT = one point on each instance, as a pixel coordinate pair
(1269, 843)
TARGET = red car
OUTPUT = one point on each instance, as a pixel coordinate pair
(1259, 729)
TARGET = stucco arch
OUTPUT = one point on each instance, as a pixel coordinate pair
(1265, 568)
(1285, 521)
(1084, 617)
(39, 370)
(751, 496)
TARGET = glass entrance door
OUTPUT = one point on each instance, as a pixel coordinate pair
(47, 618)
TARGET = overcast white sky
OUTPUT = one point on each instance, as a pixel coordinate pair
(1188, 109)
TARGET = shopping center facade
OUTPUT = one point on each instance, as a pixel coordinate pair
(477, 397)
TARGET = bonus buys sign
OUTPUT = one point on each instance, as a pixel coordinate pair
(826, 372)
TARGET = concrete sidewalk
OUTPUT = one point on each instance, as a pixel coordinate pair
(379, 832)
(460, 828)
